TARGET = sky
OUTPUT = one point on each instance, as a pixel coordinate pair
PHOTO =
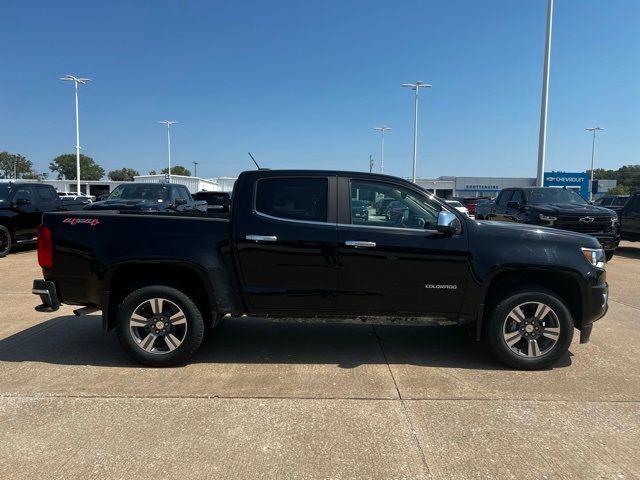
(302, 84)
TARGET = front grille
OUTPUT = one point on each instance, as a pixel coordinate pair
(599, 224)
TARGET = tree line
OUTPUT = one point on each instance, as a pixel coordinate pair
(628, 178)
(16, 166)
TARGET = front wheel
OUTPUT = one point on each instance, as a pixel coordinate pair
(159, 326)
(530, 329)
(6, 241)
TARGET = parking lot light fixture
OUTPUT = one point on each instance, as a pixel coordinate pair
(415, 87)
(382, 130)
(76, 81)
(168, 123)
(593, 151)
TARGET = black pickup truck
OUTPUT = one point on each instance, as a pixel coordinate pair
(21, 207)
(291, 248)
(149, 197)
(557, 208)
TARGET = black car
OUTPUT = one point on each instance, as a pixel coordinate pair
(21, 207)
(612, 202)
(149, 197)
(630, 219)
(359, 209)
(216, 201)
(557, 208)
(291, 249)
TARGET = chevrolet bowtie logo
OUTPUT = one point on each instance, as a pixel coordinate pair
(587, 219)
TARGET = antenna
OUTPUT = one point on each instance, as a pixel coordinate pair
(254, 161)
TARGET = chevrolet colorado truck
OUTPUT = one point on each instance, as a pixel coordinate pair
(556, 208)
(292, 248)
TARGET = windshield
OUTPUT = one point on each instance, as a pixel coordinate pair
(145, 191)
(5, 190)
(554, 195)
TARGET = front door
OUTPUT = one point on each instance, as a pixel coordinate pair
(29, 214)
(397, 263)
(286, 245)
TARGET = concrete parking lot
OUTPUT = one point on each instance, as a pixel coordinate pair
(268, 400)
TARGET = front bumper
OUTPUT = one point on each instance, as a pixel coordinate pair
(595, 307)
(608, 242)
(46, 290)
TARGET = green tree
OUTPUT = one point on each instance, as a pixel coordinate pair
(152, 172)
(14, 163)
(177, 170)
(619, 190)
(123, 175)
(65, 165)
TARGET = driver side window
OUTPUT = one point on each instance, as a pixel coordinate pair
(381, 204)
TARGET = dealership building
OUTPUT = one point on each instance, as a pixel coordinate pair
(447, 187)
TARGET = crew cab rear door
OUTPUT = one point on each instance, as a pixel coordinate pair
(397, 263)
(285, 237)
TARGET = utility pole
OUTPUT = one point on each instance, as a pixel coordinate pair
(370, 163)
(593, 153)
(195, 169)
(415, 87)
(542, 140)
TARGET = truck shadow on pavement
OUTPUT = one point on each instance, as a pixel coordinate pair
(628, 252)
(70, 340)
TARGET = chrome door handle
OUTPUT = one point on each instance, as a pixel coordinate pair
(359, 243)
(262, 238)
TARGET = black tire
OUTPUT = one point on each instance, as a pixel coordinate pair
(188, 330)
(556, 322)
(609, 254)
(6, 241)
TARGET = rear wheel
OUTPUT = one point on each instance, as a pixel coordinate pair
(530, 330)
(159, 326)
(6, 241)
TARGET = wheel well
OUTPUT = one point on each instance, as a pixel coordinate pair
(128, 278)
(565, 286)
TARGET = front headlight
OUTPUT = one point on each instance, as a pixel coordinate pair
(595, 256)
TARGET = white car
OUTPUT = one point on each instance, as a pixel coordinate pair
(74, 196)
(458, 206)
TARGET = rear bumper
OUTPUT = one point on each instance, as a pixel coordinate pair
(46, 290)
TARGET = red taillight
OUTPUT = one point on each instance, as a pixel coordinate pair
(45, 247)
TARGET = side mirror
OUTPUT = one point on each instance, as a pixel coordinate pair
(448, 223)
(514, 205)
(23, 201)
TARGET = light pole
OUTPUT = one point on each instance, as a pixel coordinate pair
(168, 123)
(195, 169)
(382, 130)
(542, 140)
(415, 87)
(76, 81)
(593, 152)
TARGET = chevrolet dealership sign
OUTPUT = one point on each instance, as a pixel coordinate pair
(570, 180)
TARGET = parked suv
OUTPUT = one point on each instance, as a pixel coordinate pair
(558, 208)
(21, 209)
(630, 219)
(613, 202)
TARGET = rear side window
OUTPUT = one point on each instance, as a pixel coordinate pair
(293, 198)
(505, 197)
(45, 194)
(517, 197)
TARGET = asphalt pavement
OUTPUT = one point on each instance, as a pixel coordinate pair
(297, 401)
